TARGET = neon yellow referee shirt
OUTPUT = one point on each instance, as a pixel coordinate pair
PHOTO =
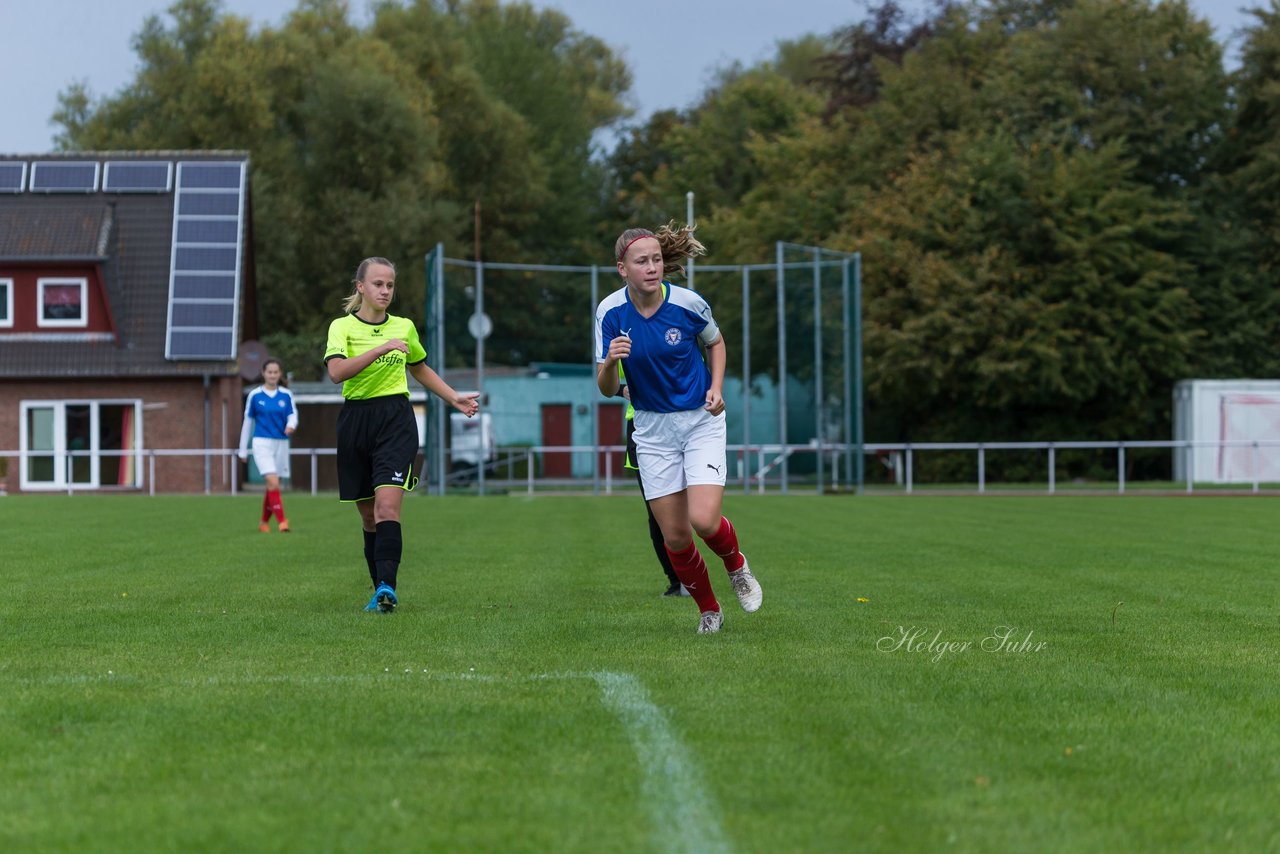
(350, 336)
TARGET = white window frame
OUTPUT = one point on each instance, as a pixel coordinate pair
(59, 452)
(61, 323)
(6, 322)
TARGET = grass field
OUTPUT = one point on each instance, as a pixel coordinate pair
(172, 680)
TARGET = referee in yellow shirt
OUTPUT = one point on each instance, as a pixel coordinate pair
(368, 351)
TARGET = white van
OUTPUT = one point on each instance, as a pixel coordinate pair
(471, 439)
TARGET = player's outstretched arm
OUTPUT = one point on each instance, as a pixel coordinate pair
(467, 403)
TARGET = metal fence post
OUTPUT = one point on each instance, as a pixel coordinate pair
(819, 395)
(1053, 469)
(1253, 463)
(910, 469)
(1120, 466)
(746, 380)
(982, 469)
(782, 361)
(1191, 450)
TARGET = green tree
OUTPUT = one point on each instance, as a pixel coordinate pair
(1022, 182)
(1240, 218)
(372, 141)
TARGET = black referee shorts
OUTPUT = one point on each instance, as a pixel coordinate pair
(377, 446)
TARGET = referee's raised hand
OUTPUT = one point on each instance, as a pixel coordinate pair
(468, 404)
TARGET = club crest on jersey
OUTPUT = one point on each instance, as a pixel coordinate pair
(673, 336)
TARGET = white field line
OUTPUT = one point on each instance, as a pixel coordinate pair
(683, 815)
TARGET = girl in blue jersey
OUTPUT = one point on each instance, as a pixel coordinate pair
(270, 419)
(654, 328)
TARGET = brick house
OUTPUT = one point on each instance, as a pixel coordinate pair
(126, 290)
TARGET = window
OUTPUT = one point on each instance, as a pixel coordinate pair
(81, 444)
(63, 302)
(6, 303)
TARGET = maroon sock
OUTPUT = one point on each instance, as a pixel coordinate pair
(276, 504)
(724, 542)
(692, 572)
(266, 505)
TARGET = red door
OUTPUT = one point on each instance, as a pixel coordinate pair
(557, 429)
(611, 429)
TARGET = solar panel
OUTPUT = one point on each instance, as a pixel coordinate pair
(204, 286)
(202, 344)
(137, 177)
(207, 231)
(204, 274)
(13, 177)
(221, 176)
(63, 176)
(221, 315)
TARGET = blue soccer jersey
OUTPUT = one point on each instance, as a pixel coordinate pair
(271, 413)
(665, 371)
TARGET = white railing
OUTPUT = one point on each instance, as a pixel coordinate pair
(753, 468)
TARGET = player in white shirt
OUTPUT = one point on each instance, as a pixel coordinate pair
(270, 419)
(655, 332)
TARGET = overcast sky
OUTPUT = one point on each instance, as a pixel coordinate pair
(671, 46)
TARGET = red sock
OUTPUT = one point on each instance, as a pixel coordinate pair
(276, 504)
(266, 506)
(724, 542)
(692, 572)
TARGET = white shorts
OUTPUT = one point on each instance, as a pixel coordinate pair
(676, 450)
(271, 456)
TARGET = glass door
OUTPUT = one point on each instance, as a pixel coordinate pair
(42, 440)
(82, 462)
(81, 444)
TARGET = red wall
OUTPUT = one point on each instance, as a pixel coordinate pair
(172, 417)
(26, 296)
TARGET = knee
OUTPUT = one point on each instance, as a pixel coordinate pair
(706, 526)
(677, 544)
(386, 513)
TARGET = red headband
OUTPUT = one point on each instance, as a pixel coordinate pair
(623, 253)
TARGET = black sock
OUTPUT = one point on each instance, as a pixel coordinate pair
(371, 537)
(386, 552)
